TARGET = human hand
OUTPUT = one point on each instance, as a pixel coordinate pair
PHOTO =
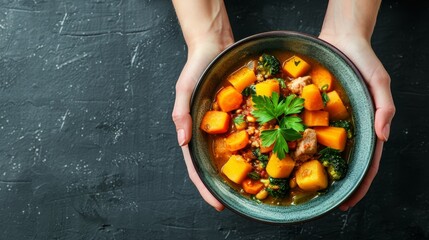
(198, 59)
(359, 51)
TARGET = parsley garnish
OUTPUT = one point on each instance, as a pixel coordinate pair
(281, 82)
(325, 97)
(239, 120)
(272, 108)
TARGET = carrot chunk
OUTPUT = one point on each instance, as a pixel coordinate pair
(266, 149)
(333, 137)
(229, 99)
(215, 122)
(315, 118)
(242, 78)
(313, 98)
(295, 67)
(321, 77)
(280, 168)
(236, 168)
(237, 140)
(335, 106)
(311, 176)
(252, 186)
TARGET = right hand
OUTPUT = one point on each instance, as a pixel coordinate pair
(199, 57)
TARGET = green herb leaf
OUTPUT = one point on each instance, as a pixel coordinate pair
(279, 138)
(281, 82)
(324, 87)
(239, 119)
(281, 148)
(293, 104)
(254, 175)
(268, 137)
(290, 134)
(292, 122)
(267, 108)
(325, 98)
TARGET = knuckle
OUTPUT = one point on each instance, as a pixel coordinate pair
(381, 78)
(391, 110)
(177, 117)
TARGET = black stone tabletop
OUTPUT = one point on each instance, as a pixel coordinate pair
(88, 149)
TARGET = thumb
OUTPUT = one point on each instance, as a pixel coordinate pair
(181, 117)
(181, 111)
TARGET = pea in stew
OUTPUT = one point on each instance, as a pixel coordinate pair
(280, 129)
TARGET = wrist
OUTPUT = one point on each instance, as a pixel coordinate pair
(335, 36)
(214, 43)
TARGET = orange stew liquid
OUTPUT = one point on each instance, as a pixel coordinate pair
(280, 129)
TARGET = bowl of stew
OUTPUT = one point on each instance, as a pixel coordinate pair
(282, 127)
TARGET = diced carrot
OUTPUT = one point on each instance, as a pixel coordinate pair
(280, 168)
(215, 122)
(242, 78)
(229, 99)
(333, 137)
(236, 168)
(321, 77)
(252, 186)
(266, 149)
(266, 88)
(311, 176)
(335, 106)
(315, 118)
(313, 98)
(295, 67)
(237, 140)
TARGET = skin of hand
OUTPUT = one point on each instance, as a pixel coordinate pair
(207, 32)
(356, 45)
(197, 61)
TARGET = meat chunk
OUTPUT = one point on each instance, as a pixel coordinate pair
(296, 85)
(307, 146)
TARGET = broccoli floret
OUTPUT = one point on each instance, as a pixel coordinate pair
(268, 65)
(278, 187)
(344, 124)
(335, 165)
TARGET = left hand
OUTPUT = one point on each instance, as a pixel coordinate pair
(359, 51)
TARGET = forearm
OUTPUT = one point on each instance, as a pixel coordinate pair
(354, 18)
(204, 22)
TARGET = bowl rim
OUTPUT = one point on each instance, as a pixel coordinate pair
(311, 38)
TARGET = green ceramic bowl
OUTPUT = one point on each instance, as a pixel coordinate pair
(363, 117)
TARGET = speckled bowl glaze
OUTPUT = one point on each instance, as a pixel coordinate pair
(363, 117)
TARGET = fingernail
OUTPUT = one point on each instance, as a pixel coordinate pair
(219, 209)
(386, 132)
(181, 137)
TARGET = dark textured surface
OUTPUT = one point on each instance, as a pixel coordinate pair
(88, 149)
